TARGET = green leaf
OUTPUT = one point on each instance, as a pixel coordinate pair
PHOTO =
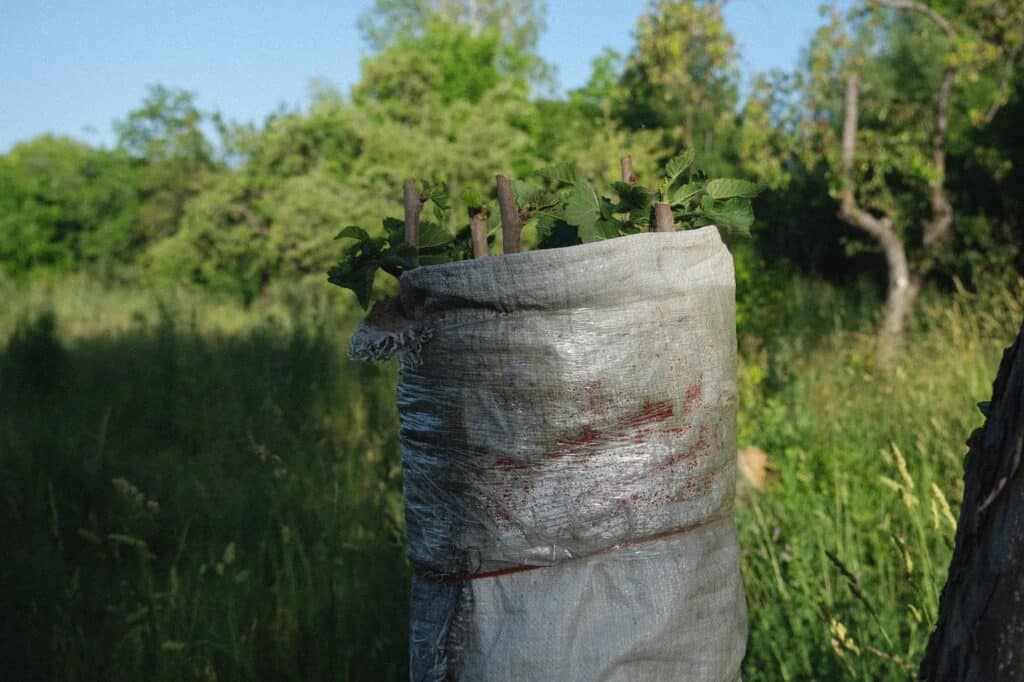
(639, 221)
(432, 234)
(437, 192)
(529, 238)
(675, 167)
(370, 248)
(599, 230)
(684, 193)
(473, 200)
(355, 276)
(632, 198)
(562, 173)
(394, 229)
(727, 188)
(555, 234)
(530, 196)
(398, 259)
(435, 259)
(678, 164)
(582, 208)
(353, 232)
(735, 215)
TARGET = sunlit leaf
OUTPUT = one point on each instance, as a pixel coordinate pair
(735, 215)
(353, 232)
(562, 173)
(582, 207)
(727, 188)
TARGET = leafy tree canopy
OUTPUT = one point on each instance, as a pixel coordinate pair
(63, 203)
(518, 22)
(682, 77)
(447, 63)
(167, 126)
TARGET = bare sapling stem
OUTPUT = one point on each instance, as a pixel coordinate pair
(628, 176)
(663, 220)
(478, 232)
(413, 205)
(511, 222)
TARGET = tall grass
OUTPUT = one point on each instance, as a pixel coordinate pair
(845, 557)
(191, 490)
(185, 503)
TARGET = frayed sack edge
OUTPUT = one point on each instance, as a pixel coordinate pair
(371, 344)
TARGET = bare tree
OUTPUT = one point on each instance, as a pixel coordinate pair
(904, 283)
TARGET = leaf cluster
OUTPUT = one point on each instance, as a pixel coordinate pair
(697, 201)
(366, 254)
(560, 207)
(567, 209)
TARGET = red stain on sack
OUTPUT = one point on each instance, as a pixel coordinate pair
(664, 481)
(649, 414)
(576, 443)
(635, 428)
(693, 396)
(688, 456)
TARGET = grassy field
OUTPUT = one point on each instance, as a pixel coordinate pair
(195, 491)
(845, 557)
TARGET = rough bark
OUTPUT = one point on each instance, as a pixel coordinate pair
(478, 233)
(980, 630)
(663, 220)
(511, 221)
(413, 204)
(628, 176)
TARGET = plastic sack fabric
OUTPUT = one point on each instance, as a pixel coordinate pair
(568, 442)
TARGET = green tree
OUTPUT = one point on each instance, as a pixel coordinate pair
(766, 141)
(890, 89)
(582, 129)
(234, 241)
(517, 24)
(439, 103)
(446, 63)
(442, 104)
(682, 78)
(274, 215)
(64, 205)
(174, 157)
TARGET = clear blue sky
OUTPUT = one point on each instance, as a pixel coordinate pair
(73, 66)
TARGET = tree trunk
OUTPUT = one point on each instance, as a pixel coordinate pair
(903, 286)
(899, 301)
(511, 220)
(980, 630)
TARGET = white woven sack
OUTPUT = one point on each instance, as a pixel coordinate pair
(568, 441)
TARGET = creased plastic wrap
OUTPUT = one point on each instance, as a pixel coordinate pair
(568, 442)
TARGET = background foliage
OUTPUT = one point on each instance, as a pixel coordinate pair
(196, 485)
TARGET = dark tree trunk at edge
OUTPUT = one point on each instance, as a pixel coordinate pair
(980, 629)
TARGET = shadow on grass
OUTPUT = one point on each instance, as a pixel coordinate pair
(185, 506)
